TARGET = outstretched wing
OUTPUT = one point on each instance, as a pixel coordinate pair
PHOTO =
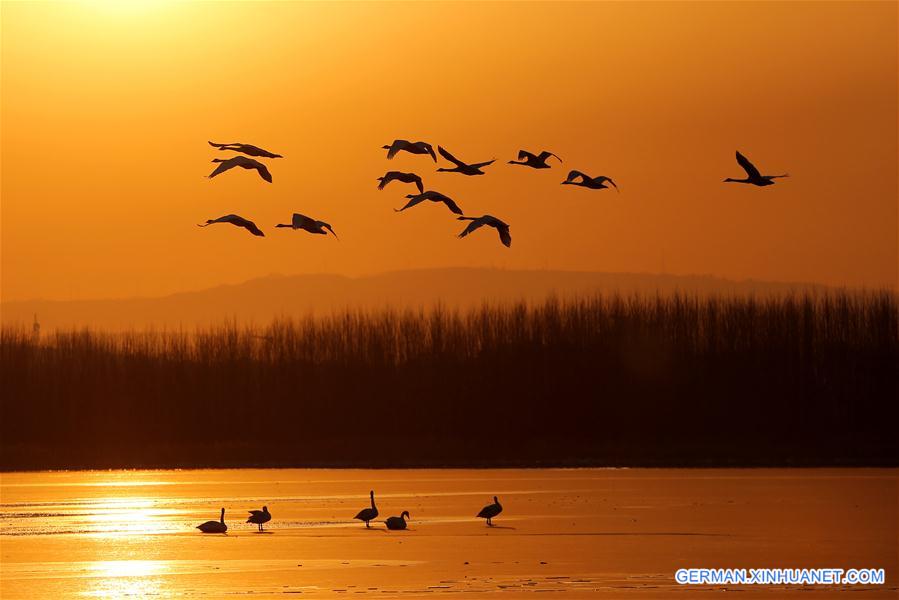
(301, 221)
(387, 178)
(223, 166)
(251, 227)
(430, 150)
(603, 178)
(395, 147)
(483, 164)
(452, 206)
(525, 155)
(415, 200)
(504, 235)
(214, 145)
(419, 184)
(475, 223)
(546, 154)
(261, 169)
(450, 157)
(572, 175)
(748, 166)
(328, 227)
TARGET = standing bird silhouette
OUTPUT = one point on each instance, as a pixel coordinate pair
(461, 167)
(410, 147)
(490, 511)
(214, 526)
(368, 514)
(400, 176)
(752, 174)
(235, 220)
(592, 183)
(248, 149)
(260, 517)
(534, 161)
(433, 197)
(243, 162)
(397, 523)
(476, 222)
(308, 224)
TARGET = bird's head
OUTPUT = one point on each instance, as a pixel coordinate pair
(386, 147)
(406, 515)
(264, 509)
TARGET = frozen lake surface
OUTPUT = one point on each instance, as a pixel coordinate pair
(563, 533)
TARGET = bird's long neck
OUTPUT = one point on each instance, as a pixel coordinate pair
(223, 516)
(283, 225)
(372, 500)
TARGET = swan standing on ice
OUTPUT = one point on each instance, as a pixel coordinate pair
(368, 514)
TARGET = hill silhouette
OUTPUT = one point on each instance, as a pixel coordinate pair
(260, 300)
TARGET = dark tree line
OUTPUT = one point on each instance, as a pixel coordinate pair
(643, 380)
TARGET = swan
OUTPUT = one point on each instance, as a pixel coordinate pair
(400, 176)
(592, 183)
(397, 522)
(259, 517)
(214, 526)
(501, 227)
(308, 224)
(235, 220)
(410, 147)
(247, 149)
(490, 511)
(433, 197)
(753, 176)
(368, 514)
(533, 160)
(461, 167)
(243, 162)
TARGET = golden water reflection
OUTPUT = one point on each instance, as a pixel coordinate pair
(123, 578)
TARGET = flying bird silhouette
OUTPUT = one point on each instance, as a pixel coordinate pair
(368, 514)
(752, 174)
(214, 526)
(410, 147)
(400, 176)
(476, 222)
(260, 517)
(535, 161)
(235, 220)
(490, 511)
(593, 183)
(397, 523)
(433, 197)
(240, 161)
(308, 224)
(461, 167)
(247, 149)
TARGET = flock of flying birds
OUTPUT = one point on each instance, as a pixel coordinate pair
(525, 158)
(366, 515)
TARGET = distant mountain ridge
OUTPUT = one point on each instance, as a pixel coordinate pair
(260, 300)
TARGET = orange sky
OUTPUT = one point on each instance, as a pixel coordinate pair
(106, 109)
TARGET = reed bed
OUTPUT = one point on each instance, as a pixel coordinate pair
(605, 379)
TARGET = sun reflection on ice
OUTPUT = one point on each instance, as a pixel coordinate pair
(129, 516)
(122, 578)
